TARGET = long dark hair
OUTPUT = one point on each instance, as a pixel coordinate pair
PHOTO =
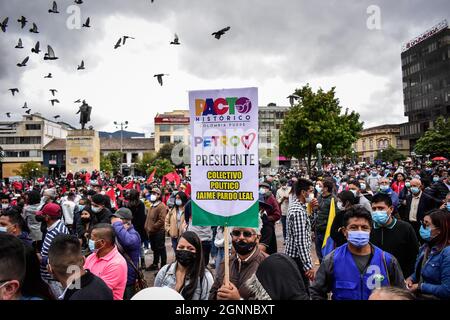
(133, 198)
(441, 220)
(195, 271)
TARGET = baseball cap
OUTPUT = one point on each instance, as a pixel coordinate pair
(156, 190)
(50, 209)
(123, 213)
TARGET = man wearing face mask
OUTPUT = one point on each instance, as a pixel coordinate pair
(406, 191)
(440, 186)
(418, 204)
(50, 214)
(106, 262)
(283, 200)
(392, 235)
(298, 239)
(272, 216)
(355, 269)
(364, 191)
(155, 227)
(373, 180)
(5, 203)
(243, 265)
(385, 188)
(100, 213)
(129, 245)
(353, 186)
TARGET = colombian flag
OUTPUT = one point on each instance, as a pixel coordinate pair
(328, 243)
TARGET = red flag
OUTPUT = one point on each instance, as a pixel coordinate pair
(17, 185)
(41, 180)
(129, 185)
(112, 195)
(176, 178)
(119, 186)
(63, 190)
(188, 189)
(150, 178)
(88, 177)
(138, 187)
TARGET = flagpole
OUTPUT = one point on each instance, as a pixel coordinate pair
(226, 276)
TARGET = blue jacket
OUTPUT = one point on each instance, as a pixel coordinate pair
(394, 197)
(349, 283)
(435, 273)
(131, 244)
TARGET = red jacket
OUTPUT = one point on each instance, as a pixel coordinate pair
(397, 186)
(274, 214)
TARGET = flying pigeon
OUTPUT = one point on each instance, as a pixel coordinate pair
(78, 101)
(79, 1)
(220, 33)
(19, 44)
(25, 106)
(56, 117)
(23, 21)
(292, 98)
(4, 24)
(50, 55)
(53, 91)
(160, 77)
(118, 43)
(13, 91)
(8, 114)
(24, 62)
(34, 29)
(176, 40)
(53, 101)
(36, 48)
(49, 76)
(28, 111)
(125, 39)
(87, 23)
(81, 67)
(54, 8)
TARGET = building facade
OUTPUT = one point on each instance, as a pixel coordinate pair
(426, 81)
(172, 127)
(378, 138)
(23, 141)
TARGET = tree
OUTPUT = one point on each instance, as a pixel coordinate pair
(31, 170)
(115, 158)
(105, 164)
(316, 119)
(165, 152)
(436, 140)
(390, 154)
(163, 167)
(143, 164)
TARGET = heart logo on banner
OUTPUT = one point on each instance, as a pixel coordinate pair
(248, 140)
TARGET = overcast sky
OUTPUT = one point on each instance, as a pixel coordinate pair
(276, 46)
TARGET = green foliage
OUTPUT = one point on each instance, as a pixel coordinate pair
(31, 170)
(316, 119)
(163, 167)
(143, 165)
(165, 152)
(105, 164)
(390, 154)
(436, 141)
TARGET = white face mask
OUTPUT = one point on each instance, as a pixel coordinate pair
(340, 206)
(310, 197)
(5, 205)
(153, 198)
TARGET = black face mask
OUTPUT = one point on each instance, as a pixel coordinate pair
(185, 258)
(243, 248)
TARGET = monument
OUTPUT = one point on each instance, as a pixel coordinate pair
(83, 146)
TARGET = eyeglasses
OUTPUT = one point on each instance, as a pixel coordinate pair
(237, 233)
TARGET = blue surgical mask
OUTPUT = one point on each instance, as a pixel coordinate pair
(178, 202)
(435, 179)
(408, 184)
(92, 245)
(384, 188)
(358, 238)
(415, 190)
(374, 174)
(362, 186)
(448, 206)
(81, 207)
(3, 229)
(318, 189)
(425, 233)
(380, 217)
(262, 191)
(96, 209)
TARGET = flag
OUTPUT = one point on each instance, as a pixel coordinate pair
(130, 185)
(150, 178)
(328, 243)
(17, 185)
(87, 178)
(112, 195)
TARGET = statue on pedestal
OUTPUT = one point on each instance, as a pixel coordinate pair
(85, 114)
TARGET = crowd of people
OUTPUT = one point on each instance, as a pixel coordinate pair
(85, 236)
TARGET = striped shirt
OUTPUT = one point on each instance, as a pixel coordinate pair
(57, 228)
(298, 234)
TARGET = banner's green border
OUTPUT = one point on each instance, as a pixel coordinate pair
(246, 219)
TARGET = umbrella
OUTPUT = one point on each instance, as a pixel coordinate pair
(439, 159)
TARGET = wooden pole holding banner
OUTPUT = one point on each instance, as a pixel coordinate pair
(226, 275)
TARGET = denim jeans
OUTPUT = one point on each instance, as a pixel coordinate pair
(219, 257)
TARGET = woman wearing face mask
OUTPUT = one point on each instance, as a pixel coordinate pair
(175, 223)
(33, 200)
(432, 272)
(137, 208)
(399, 183)
(346, 199)
(188, 274)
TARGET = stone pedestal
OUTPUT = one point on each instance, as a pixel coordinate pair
(82, 150)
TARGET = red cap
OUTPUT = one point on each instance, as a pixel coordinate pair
(50, 209)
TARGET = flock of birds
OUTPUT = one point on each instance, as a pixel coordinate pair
(50, 54)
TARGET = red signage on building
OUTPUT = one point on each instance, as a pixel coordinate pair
(440, 26)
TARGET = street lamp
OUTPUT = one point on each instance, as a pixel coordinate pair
(53, 173)
(121, 125)
(319, 157)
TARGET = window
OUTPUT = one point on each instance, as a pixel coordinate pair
(32, 127)
(371, 144)
(53, 157)
(178, 127)
(178, 139)
(20, 140)
(134, 157)
(164, 128)
(364, 144)
(164, 139)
